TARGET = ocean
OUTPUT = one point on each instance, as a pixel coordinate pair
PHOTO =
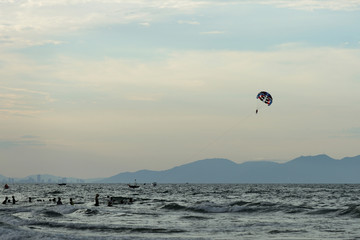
(182, 211)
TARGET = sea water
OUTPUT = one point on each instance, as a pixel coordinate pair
(182, 211)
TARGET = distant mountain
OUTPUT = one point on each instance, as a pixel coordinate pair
(3, 178)
(199, 171)
(305, 169)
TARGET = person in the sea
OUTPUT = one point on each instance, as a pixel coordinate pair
(30, 199)
(59, 201)
(71, 201)
(5, 201)
(13, 200)
(97, 200)
(110, 201)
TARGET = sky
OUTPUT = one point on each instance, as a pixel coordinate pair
(92, 88)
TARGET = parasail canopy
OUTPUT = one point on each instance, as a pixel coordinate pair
(265, 97)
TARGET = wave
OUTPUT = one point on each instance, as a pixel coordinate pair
(104, 228)
(55, 192)
(12, 227)
(9, 232)
(191, 217)
(323, 211)
(174, 206)
(51, 214)
(238, 206)
(262, 207)
(287, 231)
(54, 211)
(91, 211)
(352, 210)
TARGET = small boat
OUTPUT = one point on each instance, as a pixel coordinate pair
(62, 184)
(133, 185)
(154, 184)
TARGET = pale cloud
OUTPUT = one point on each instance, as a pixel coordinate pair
(188, 22)
(186, 71)
(143, 98)
(290, 46)
(29, 137)
(353, 132)
(27, 23)
(21, 142)
(27, 91)
(311, 5)
(212, 33)
(21, 101)
(286, 71)
(145, 24)
(5, 113)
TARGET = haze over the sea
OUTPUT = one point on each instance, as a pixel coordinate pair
(93, 88)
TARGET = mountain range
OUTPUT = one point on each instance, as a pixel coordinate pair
(304, 169)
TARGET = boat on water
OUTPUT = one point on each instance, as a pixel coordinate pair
(135, 185)
(62, 184)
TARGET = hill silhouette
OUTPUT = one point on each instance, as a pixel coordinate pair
(305, 169)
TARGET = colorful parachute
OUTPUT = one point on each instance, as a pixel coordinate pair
(265, 97)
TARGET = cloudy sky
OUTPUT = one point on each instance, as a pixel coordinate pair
(91, 88)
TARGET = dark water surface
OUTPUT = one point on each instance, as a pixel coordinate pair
(182, 211)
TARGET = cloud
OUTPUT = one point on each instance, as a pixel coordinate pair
(32, 23)
(212, 33)
(184, 71)
(22, 101)
(24, 142)
(27, 91)
(188, 22)
(145, 24)
(27, 23)
(312, 5)
(353, 132)
(29, 137)
(143, 98)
